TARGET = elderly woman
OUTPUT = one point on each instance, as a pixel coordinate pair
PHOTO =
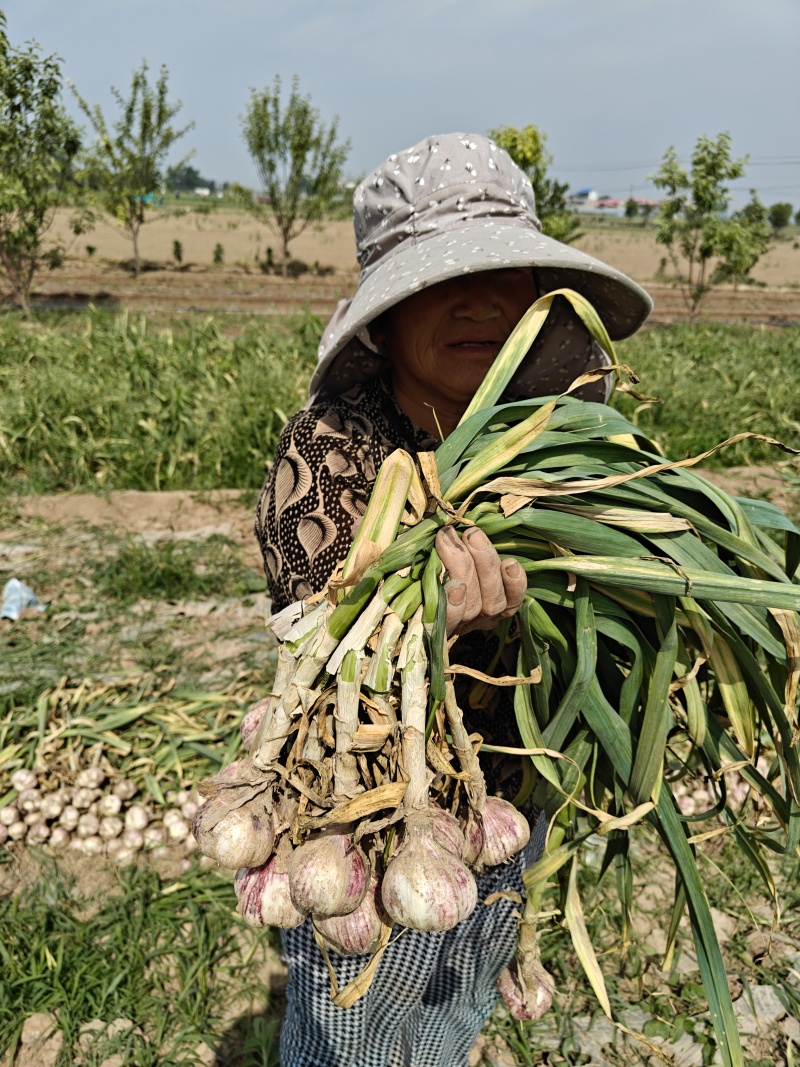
(451, 255)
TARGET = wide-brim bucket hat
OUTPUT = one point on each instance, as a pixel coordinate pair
(451, 205)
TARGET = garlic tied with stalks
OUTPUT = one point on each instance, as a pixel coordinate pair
(239, 837)
(357, 933)
(328, 875)
(425, 886)
(263, 892)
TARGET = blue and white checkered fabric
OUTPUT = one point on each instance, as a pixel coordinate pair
(429, 999)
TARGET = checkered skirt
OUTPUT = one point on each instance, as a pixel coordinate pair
(431, 994)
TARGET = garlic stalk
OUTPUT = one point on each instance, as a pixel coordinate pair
(412, 664)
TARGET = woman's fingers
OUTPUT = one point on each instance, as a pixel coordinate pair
(480, 588)
(515, 582)
(487, 568)
(462, 588)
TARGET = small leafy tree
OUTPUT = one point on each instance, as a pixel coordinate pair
(780, 215)
(38, 144)
(124, 167)
(527, 147)
(631, 208)
(298, 161)
(691, 221)
(743, 241)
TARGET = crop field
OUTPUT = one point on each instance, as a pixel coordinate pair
(132, 449)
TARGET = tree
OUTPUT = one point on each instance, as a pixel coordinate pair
(298, 161)
(742, 243)
(124, 167)
(691, 221)
(526, 146)
(780, 215)
(38, 144)
(631, 208)
(185, 179)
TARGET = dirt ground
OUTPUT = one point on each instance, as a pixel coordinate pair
(239, 284)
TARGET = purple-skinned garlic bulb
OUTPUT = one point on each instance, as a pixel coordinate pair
(328, 875)
(426, 887)
(359, 932)
(263, 892)
(240, 838)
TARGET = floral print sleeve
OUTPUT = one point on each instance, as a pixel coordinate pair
(325, 466)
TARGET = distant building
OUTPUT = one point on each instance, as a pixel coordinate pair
(590, 202)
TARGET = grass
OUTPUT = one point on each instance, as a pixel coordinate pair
(172, 570)
(716, 381)
(173, 959)
(102, 402)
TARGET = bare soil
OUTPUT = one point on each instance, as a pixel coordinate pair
(240, 285)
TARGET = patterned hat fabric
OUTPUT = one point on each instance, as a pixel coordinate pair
(451, 205)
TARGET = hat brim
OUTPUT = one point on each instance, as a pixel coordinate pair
(482, 245)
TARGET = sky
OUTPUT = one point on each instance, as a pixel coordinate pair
(612, 83)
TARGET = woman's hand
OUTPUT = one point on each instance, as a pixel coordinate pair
(481, 588)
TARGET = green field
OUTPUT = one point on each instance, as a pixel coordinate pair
(107, 402)
(100, 402)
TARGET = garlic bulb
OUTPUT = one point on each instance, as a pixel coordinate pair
(51, 806)
(59, 837)
(29, 800)
(38, 833)
(110, 826)
(133, 840)
(9, 814)
(88, 825)
(90, 778)
(252, 720)
(526, 988)
(137, 817)
(263, 892)
(91, 846)
(505, 832)
(178, 830)
(83, 797)
(425, 886)
(328, 875)
(3, 833)
(357, 933)
(24, 779)
(473, 839)
(446, 830)
(109, 805)
(240, 838)
(125, 789)
(17, 830)
(153, 836)
(69, 817)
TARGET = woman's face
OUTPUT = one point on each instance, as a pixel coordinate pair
(442, 340)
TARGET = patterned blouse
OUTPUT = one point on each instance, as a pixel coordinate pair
(327, 458)
(325, 466)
